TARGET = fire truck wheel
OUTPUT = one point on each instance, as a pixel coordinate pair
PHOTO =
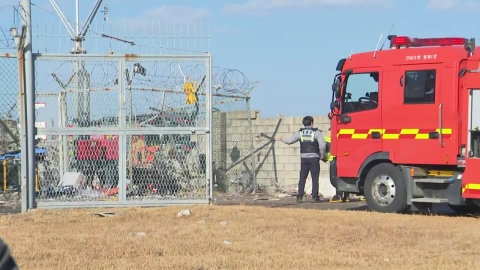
(385, 189)
(465, 209)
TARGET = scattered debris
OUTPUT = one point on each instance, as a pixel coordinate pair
(184, 213)
(139, 234)
(227, 242)
(267, 199)
(223, 223)
(105, 214)
(201, 221)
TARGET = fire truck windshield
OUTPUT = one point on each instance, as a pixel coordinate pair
(360, 92)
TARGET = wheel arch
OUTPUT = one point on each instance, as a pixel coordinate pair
(370, 162)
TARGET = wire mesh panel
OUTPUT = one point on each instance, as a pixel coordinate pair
(77, 92)
(233, 150)
(166, 167)
(168, 94)
(88, 170)
(9, 133)
(125, 130)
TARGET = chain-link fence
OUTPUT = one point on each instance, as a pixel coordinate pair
(9, 132)
(233, 149)
(113, 128)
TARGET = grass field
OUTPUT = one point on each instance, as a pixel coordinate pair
(252, 238)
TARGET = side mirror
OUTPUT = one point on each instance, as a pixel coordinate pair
(337, 93)
(345, 119)
(334, 105)
(336, 87)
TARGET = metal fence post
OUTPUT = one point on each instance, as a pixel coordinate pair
(122, 142)
(209, 116)
(253, 165)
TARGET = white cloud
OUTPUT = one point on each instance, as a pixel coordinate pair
(259, 7)
(166, 13)
(461, 5)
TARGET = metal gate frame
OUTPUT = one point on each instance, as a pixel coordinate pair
(122, 131)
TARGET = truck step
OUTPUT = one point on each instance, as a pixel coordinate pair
(429, 200)
(432, 180)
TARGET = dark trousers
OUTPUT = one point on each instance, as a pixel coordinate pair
(312, 166)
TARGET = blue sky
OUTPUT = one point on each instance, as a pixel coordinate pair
(290, 46)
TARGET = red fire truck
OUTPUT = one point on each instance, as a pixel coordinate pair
(406, 122)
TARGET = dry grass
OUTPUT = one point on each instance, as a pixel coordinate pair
(261, 238)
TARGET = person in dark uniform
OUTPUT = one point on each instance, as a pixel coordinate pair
(312, 150)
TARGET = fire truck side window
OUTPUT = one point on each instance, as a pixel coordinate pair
(361, 92)
(419, 87)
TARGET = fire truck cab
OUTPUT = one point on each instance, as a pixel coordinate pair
(406, 122)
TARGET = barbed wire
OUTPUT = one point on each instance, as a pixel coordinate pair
(6, 37)
(160, 86)
(159, 75)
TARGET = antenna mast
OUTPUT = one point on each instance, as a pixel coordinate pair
(77, 34)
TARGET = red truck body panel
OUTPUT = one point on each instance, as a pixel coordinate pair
(402, 130)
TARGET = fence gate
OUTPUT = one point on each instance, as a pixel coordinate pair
(123, 130)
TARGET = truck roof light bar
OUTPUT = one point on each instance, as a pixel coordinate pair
(403, 41)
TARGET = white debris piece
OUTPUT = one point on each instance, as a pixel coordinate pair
(140, 234)
(184, 213)
(223, 223)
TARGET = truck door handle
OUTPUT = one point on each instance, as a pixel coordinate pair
(440, 116)
(433, 135)
(375, 135)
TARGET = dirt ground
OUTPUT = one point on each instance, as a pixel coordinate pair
(239, 237)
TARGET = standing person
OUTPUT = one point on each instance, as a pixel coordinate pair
(312, 150)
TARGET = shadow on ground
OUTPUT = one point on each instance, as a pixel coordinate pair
(354, 205)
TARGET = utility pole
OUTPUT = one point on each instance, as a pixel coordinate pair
(28, 134)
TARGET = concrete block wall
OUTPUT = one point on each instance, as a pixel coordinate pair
(278, 164)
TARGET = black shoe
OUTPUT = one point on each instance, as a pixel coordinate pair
(335, 199)
(299, 199)
(316, 200)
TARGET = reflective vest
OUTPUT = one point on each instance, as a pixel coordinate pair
(328, 140)
(308, 143)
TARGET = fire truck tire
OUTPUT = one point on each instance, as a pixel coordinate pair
(465, 209)
(385, 189)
